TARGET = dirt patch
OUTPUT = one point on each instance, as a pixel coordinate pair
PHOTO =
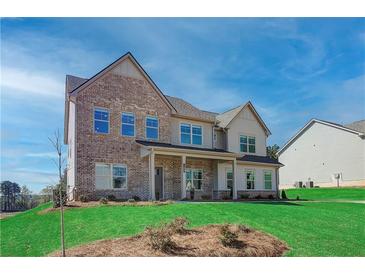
(78, 204)
(4, 215)
(199, 242)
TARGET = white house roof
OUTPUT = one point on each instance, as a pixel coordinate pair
(349, 128)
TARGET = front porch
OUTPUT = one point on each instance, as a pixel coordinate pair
(172, 170)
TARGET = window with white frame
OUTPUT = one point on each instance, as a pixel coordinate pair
(110, 176)
(250, 179)
(127, 128)
(194, 178)
(268, 179)
(247, 144)
(229, 179)
(191, 134)
(151, 127)
(101, 120)
(197, 135)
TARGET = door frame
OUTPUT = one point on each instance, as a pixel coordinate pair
(163, 181)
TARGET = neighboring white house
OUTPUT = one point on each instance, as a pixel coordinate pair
(326, 154)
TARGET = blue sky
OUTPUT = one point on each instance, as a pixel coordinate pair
(291, 69)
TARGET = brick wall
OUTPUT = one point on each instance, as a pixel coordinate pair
(116, 93)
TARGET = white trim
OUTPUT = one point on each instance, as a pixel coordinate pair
(191, 133)
(254, 177)
(134, 124)
(93, 113)
(111, 165)
(264, 181)
(248, 135)
(192, 177)
(158, 127)
(307, 125)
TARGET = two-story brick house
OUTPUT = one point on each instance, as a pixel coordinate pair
(126, 138)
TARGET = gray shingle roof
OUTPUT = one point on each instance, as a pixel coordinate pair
(259, 159)
(73, 82)
(226, 117)
(186, 109)
(358, 126)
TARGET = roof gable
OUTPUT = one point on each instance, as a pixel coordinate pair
(227, 117)
(309, 124)
(126, 65)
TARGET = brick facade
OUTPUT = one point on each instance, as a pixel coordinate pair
(117, 94)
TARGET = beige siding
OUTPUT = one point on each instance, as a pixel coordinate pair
(241, 179)
(175, 131)
(246, 123)
(319, 153)
(71, 148)
(220, 139)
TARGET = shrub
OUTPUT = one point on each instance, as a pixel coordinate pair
(297, 197)
(283, 195)
(271, 197)
(160, 238)
(83, 198)
(184, 199)
(244, 196)
(206, 197)
(258, 197)
(103, 201)
(56, 195)
(136, 198)
(228, 237)
(131, 201)
(111, 197)
(226, 198)
(179, 225)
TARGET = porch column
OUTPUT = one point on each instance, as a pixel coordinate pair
(234, 179)
(152, 176)
(183, 177)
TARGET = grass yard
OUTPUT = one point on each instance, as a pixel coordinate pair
(309, 228)
(327, 193)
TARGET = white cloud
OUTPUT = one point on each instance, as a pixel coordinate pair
(41, 155)
(28, 82)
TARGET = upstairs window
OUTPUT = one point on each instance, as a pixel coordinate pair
(151, 127)
(252, 144)
(197, 135)
(101, 120)
(268, 179)
(250, 179)
(185, 133)
(191, 134)
(127, 128)
(247, 144)
(243, 143)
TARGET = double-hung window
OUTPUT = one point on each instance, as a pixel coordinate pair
(197, 135)
(247, 144)
(110, 176)
(194, 178)
(101, 120)
(229, 179)
(250, 179)
(151, 127)
(191, 134)
(185, 133)
(268, 179)
(128, 121)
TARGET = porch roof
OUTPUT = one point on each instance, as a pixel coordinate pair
(186, 149)
(259, 159)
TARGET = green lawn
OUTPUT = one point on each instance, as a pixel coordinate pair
(309, 228)
(327, 193)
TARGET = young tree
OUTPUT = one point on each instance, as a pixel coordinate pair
(56, 142)
(25, 198)
(272, 151)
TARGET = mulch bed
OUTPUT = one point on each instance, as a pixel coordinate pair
(78, 204)
(198, 242)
